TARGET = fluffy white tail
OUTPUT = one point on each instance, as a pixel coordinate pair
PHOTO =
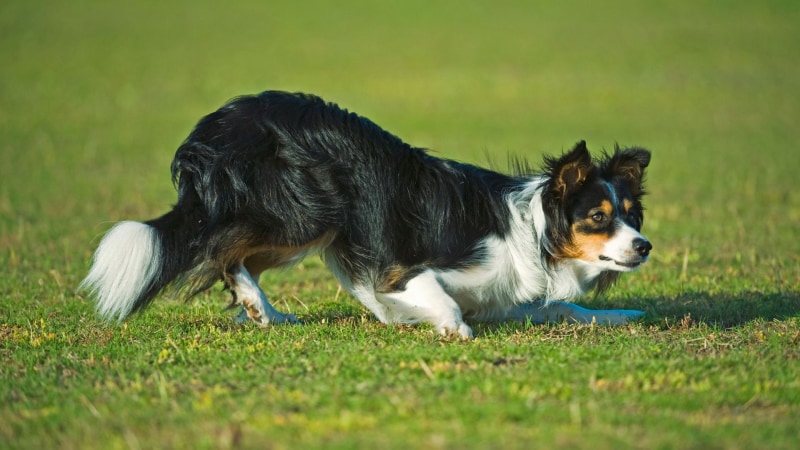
(124, 269)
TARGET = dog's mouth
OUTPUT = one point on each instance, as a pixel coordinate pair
(627, 264)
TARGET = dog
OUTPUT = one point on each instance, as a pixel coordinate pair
(269, 179)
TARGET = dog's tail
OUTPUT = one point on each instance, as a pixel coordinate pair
(135, 261)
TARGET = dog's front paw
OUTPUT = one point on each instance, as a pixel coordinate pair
(622, 316)
(634, 314)
(460, 330)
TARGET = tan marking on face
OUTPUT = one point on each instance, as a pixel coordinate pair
(607, 208)
(585, 246)
(627, 205)
(590, 246)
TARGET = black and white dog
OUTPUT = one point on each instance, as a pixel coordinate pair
(269, 179)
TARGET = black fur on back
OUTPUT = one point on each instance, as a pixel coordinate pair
(281, 169)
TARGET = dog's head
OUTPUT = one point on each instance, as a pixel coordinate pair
(593, 208)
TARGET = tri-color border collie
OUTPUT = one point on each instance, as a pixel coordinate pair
(269, 179)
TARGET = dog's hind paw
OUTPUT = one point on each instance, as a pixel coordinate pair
(288, 318)
(275, 318)
(634, 314)
(278, 319)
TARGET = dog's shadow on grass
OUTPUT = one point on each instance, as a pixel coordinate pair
(720, 310)
(711, 309)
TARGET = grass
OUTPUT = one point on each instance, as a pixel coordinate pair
(96, 96)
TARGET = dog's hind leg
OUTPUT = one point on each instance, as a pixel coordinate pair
(249, 295)
(540, 312)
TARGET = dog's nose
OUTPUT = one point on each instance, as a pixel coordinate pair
(642, 246)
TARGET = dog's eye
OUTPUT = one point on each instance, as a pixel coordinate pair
(599, 217)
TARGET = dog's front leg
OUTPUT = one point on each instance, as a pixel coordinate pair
(424, 300)
(540, 312)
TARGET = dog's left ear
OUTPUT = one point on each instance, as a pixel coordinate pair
(629, 164)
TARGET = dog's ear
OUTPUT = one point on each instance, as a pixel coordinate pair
(628, 164)
(570, 171)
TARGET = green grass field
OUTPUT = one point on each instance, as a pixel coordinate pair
(96, 96)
